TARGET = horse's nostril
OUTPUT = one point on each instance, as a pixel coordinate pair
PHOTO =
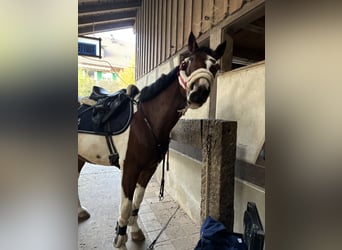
(199, 96)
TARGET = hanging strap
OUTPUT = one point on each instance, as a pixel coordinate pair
(161, 192)
(113, 156)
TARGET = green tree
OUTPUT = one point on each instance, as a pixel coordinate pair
(127, 75)
(85, 83)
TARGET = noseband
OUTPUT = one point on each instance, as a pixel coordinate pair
(187, 81)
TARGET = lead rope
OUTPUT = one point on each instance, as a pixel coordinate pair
(161, 192)
(162, 230)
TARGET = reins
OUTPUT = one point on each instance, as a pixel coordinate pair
(162, 230)
(161, 153)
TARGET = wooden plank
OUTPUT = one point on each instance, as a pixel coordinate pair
(174, 27)
(187, 132)
(187, 21)
(252, 173)
(207, 15)
(234, 5)
(219, 10)
(186, 139)
(156, 34)
(137, 47)
(168, 29)
(159, 32)
(141, 39)
(153, 35)
(227, 58)
(163, 31)
(144, 40)
(226, 7)
(180, 24)
(196, 26)
(249, 11)
(149, 27)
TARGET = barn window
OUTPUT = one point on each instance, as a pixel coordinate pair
(247, 37)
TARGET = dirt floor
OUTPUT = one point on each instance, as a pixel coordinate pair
(99, 190)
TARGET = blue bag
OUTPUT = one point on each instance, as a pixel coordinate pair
(214, 236)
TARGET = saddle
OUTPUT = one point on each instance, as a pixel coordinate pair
(100, 93)
(102, 107)
(107, 114)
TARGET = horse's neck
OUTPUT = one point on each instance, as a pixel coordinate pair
(163, 110)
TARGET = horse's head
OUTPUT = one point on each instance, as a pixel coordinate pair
(197, 71)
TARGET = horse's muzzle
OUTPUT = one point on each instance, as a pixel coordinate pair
(199, 96)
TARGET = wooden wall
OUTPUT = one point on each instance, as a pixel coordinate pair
(163, 27)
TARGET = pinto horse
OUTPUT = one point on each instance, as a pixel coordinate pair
(143, 144)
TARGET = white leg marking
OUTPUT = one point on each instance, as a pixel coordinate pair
(137, 199)
(125, 210)
(81, 211)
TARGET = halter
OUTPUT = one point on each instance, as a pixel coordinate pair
(186, 81)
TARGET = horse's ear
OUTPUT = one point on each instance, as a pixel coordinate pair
(220, 50)
(192, 44)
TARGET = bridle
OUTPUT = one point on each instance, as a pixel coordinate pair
(186, 81)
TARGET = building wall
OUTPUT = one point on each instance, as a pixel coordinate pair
(163, 26)
(241, 97)
(238, 94)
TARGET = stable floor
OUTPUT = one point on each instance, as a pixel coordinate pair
(99, 190)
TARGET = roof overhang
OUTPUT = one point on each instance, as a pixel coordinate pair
(102, 15)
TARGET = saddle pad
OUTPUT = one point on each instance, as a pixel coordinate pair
(119, 122)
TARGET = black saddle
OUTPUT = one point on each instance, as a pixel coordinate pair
(100, 93)
(111, 114)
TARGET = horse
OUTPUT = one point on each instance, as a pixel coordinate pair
(143, 145)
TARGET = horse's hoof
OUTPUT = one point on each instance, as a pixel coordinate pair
(120, 241)
(83, 215)
(138, 236)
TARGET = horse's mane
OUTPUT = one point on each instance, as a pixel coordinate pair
(151, 91)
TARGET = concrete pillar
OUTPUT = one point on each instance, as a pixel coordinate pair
(218, 157)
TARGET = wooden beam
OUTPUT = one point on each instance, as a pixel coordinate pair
(94, 7)
(110, 16)
(104, 27)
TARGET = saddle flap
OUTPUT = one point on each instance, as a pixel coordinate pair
(109, 106)
(111, 115)
(116, 105)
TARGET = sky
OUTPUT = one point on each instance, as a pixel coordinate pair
(121, 34)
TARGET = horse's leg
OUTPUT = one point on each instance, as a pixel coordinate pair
(136, 232)
(128, 183)
(82, 212)
(139, 192)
